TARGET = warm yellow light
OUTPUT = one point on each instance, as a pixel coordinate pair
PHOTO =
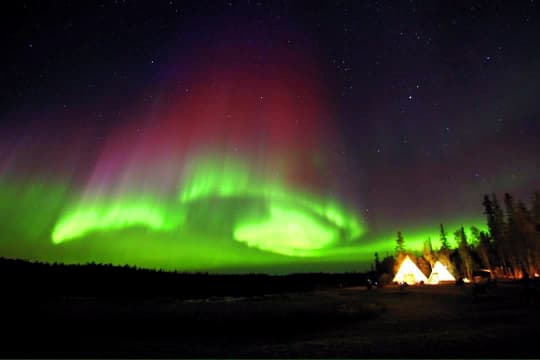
(409, 273)
(440, 273)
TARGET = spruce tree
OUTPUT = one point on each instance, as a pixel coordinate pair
(497, 231)
(484, 250)
(527, 238)
(445, 247)
(400, 248)
(511, 237)
(464, 252)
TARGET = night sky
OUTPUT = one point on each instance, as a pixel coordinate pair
(260, 135)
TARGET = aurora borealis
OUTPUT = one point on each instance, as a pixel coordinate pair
(257, 136)
(221, 197)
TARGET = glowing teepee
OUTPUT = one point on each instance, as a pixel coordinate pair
(409, 273)
(440, 273)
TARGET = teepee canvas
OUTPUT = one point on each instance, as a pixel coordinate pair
(409, 273)
(440, 274)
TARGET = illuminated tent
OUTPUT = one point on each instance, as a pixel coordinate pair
(409, 273)
(440, 274)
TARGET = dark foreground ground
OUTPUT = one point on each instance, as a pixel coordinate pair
(420, 322)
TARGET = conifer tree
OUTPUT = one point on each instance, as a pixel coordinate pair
(484, 250)
(527, 238)
(464, 252)
(400, 248)
(497, 230)
(511, 237)
(445, 247)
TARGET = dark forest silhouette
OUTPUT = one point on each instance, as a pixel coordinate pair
(24, 279)
(510, 247)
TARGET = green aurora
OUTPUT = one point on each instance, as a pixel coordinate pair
(223, 219)
(226, 199)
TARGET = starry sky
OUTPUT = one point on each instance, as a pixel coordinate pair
(341, 121)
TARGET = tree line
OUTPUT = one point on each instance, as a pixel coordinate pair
(509, 248)
(23, 279)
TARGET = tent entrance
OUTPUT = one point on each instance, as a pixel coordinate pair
(409, 279)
